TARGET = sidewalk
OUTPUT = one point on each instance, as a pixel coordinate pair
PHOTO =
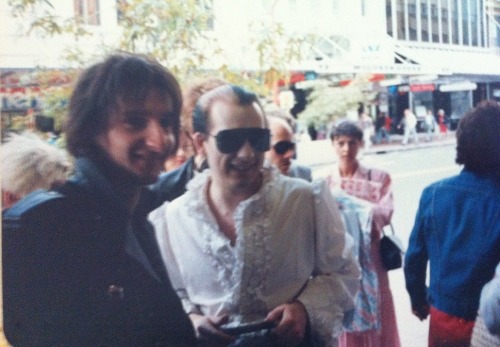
(396, 143)
(319, 153)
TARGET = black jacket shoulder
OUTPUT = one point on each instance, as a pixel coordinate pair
(172, 184)
(32, 204)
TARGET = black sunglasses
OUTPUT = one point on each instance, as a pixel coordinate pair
(282, 147)
(231, 140)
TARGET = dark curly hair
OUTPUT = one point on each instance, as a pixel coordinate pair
(478, 139)
(97, 91)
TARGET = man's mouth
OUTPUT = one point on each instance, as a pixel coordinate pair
(242, 166)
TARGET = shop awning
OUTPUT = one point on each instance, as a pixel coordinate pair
(448, 61)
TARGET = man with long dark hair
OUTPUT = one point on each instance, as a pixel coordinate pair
(81, 264)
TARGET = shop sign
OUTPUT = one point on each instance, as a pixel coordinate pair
(456, 87)
(20, 98)
(417, 88)
(404, 89)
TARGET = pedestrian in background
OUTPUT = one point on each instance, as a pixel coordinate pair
(282, 151)
(30, 163)
(81, 266)
(430, 125)
(443, 127)
(409, 122)
(366, 125)
(457, 230)
(172, 184)
(381, 131)
(373, 187)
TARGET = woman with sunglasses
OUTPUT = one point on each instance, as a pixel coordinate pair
(373, 187)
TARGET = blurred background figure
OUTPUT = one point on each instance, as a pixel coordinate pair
(282, 152)
(187, 161)
(443, 128)
(366, 125)
(430, 125)
(30, 163)
(381, 129)
(409, 122)
(186, 151)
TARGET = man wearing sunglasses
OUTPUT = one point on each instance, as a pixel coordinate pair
(245, 243)
(282, 149)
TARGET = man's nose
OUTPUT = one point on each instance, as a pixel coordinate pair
(156, 136)
(246, 151)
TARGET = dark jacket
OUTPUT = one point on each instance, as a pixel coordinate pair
(78, 271)
(172, 184)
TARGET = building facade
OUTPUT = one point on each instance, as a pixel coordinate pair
(426, 54)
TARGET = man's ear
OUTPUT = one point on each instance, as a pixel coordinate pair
(198, 140)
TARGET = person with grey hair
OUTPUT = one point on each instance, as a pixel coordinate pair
(282, 151)
(246, 244)
(30, 163)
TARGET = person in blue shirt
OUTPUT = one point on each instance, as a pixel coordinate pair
(457, 230)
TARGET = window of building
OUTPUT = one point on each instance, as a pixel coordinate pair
(87, 11)
(458, 22)
(426, 20)
(412, 20)
(388, 17)
(455, 21)
(402, 20)
(335, 5)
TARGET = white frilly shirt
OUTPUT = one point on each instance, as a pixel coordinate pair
(290, 244)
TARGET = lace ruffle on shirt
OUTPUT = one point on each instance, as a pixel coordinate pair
(242, 270)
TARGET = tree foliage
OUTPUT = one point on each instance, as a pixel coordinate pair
(174, 32)
(328, 103)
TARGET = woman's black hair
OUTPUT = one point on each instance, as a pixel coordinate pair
(346, 128)
(478, 139)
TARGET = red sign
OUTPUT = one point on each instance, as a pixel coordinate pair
(416, 88)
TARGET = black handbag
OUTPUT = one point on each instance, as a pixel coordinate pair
(391, 250)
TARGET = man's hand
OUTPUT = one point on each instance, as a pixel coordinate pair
(291, 322)
(207, 330)
(421, 311)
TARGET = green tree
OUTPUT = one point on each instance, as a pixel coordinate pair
(174, 32)
(328, 103)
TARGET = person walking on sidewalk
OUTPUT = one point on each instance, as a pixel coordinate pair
(443, 121)
(430, 125)
(457, 230)
(409, 122)
(381, 131)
